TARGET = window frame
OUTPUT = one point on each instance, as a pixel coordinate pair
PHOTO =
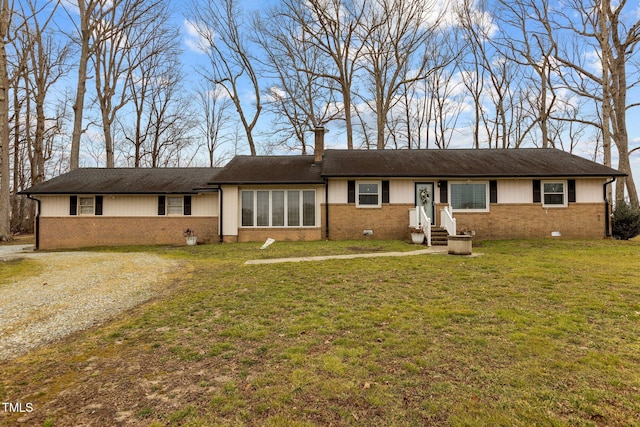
(451, 195)
(92, 206)
(378, 203)
(170, 206)
(565, 195)
(299, 208)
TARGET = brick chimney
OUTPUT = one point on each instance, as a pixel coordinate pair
(318, 150)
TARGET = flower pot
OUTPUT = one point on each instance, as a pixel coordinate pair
(417, 238)
(459, 244)
(191, 240)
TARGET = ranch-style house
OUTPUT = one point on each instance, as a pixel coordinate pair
(333, 194)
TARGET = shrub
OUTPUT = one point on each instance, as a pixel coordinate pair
(626, 221)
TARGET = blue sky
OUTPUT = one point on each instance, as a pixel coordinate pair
(192, 58)
(461, 139)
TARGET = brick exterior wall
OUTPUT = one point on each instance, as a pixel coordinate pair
(279, 234)
(504, 221)
(516, 221)
(391, 221)
(79, 231)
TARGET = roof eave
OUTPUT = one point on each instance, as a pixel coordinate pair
(308, 182)
(448, 176)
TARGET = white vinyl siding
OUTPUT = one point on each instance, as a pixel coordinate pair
(589, 190)
(514, 191)
(129, 205)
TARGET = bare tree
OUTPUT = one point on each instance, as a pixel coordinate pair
(47, 56)
(299, 97)
(530, 48)
(153, 68)
(396, 35)
(492, 79)
(220, 25)
(5, 177)
(612, 30)
(90, 15)
(163, 116)
(214, 107)
(334, 28)
(127, 29)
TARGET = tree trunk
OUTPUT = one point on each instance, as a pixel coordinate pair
(81, 88)
(5, 177)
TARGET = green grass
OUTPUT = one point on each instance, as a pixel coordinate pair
(529, 333)
(18, 268)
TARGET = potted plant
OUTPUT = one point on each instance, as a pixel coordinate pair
(461, 243)
(190, 236)
(417, 234)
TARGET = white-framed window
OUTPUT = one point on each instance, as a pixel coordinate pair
(554, 193)
(174, 205)
(368, 194)
(278, 208)
(469, 196)
(86, 205)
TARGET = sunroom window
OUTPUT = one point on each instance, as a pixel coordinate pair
(469, 196)
(278, 208)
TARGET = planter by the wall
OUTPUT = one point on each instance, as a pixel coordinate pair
(417, 238)
(191, 240)
(459, 245)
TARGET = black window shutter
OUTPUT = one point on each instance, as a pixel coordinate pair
(351, 191)
(186, 205)
(73, 205)
(537, 197)
(161, 205)
(98, 208)
(571, 190)
(444, 191)
(385, 191)
(493, 191)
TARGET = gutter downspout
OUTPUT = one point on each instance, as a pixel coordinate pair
(220, 204)
(37, 246)
(326, 209)
(607, 223)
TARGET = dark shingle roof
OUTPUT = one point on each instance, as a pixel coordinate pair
(455, 163)
(126, 181)
(508, 163)
(271, 170)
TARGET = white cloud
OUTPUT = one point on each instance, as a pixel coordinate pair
(198, 38)
(276, 94)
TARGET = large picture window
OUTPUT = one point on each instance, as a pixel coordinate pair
(469, 196)
(278, 208)
(553, 193)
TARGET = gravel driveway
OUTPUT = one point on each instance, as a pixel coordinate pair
(73, 291)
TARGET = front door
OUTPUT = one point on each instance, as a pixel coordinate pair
(424, 198)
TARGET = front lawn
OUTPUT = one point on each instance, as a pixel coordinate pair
(529, 333)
